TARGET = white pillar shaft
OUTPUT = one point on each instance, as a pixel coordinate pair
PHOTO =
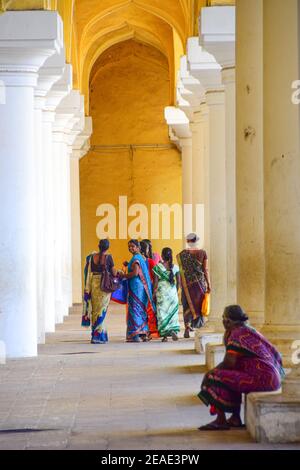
(76, 232)
(250, 196)
(18, 318)
(40, 227)
(57, 192)
(187, 186)
(217, 203)
(67, 229)
(281, 165)
(49, 254)
(228, 76)
(62, 234)
(198, 131)
(187, 171)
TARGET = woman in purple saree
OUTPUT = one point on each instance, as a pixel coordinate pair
(251, 364)
(193, 265)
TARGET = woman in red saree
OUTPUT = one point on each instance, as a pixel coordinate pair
(193, 265)
(146, 251)
(251, 364)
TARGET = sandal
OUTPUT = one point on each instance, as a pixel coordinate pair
(165, 339)
(215, 427)
(174, 336)
(239, 425)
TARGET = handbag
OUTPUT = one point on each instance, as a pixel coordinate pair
(109, 283)
(205, 309)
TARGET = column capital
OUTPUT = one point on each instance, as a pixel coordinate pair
(203, 66)
(178, 122)
(50, 73)
(228, 75)
(215, 98)
(27, 40)
(217, 33)
(81, 142)
(60, 89)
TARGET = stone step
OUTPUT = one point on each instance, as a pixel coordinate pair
(214, 354)
(273, 417)
(201, 340)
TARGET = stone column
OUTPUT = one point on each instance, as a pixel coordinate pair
(198, 175)
(180, 128)
(50, 73)
(204, 67)
(217, 204)
(80, 148)
(281, 175)
(65, 119)
(217, 36)
(49, 255)
(250, 196)
(27, 39)
(40, 214)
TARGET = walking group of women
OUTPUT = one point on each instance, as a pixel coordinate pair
(149, 285)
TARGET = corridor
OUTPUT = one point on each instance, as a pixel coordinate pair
(75, 395)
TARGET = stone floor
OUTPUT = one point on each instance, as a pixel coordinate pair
(76, 395)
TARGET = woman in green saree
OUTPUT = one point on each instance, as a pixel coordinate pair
(166, 285)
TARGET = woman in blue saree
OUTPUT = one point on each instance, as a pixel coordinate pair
(139, 295)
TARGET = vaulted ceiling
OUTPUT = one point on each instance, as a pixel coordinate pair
(93, 26)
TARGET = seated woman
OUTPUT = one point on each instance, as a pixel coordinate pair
(251, 364)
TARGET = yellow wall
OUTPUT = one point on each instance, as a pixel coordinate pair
(129, 90)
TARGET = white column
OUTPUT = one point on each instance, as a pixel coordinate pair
(198, 175)
(250, 171)
(59, 150)
(204, 67)
(76, 228)
(180, 130)
(67, 116)
(217, 251)
(50, 73)
(26, 40)
(40, 214)
(228, 78)
(49, 254)
(58, 91)
(217, 36)
(80, 148)
(281, 176)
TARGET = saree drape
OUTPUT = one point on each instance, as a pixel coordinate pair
(139, 295)
(167, 303)
(258, 369)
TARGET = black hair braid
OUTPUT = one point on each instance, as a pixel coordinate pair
(167, 255)
(104, 245)
(144, 247)
(149, 243)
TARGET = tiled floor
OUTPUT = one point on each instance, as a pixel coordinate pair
(76, 395)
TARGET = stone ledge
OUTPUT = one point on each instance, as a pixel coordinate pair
(214, 354)
(273, 417)
(202, 338)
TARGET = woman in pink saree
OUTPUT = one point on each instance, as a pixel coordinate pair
(251, 364)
